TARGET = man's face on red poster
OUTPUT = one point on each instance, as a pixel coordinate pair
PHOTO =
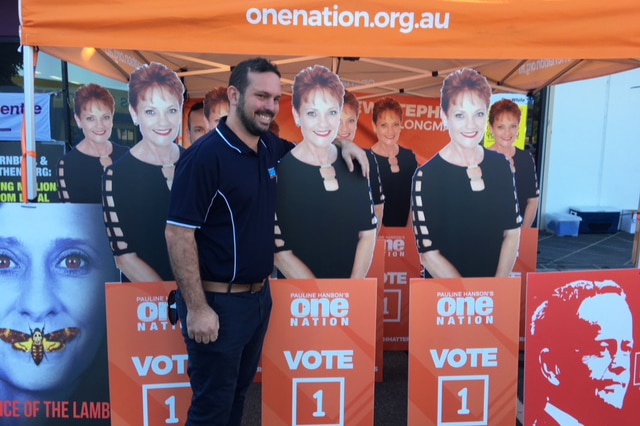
(607, 319)
(595, 364)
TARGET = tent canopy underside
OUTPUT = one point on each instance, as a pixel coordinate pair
(377, 48)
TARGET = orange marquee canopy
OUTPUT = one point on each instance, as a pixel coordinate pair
(378, 48)
(496, 29)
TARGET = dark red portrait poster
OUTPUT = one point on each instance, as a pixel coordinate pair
(582, 352)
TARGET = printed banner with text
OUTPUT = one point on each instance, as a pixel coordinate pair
(12, 115)
(11, 172)
(318, 358)
(463, 351)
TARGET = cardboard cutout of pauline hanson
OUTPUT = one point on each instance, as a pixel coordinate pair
(583, 338)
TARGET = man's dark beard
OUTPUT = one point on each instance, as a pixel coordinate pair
(249, 122)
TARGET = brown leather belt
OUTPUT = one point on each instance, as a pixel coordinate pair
(219, 287)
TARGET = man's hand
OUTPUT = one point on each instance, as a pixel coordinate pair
(203, 324)
(350, 152)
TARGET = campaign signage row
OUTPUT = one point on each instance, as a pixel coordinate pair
(319, 355)
(147, 357)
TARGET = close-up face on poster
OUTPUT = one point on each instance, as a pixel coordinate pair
(53, 354)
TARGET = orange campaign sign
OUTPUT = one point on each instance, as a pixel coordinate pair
(463, 351)
(401, 264)
(582, 363)
(318, 357)
(147, 356)
(377, 271)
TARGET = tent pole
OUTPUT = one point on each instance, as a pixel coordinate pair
(29, 149)
(543, 149)
(67, 103)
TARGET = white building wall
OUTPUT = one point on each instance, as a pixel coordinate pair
(592, 153)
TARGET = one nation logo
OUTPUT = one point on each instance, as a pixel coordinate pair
(319, 310)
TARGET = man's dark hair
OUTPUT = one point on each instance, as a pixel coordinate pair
(240, 73)
(195, 107)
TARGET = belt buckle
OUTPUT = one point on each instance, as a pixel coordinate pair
(256, 287)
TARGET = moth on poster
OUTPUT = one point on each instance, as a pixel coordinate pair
(38, 342)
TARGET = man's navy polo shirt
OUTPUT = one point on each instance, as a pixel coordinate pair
(227, 192)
